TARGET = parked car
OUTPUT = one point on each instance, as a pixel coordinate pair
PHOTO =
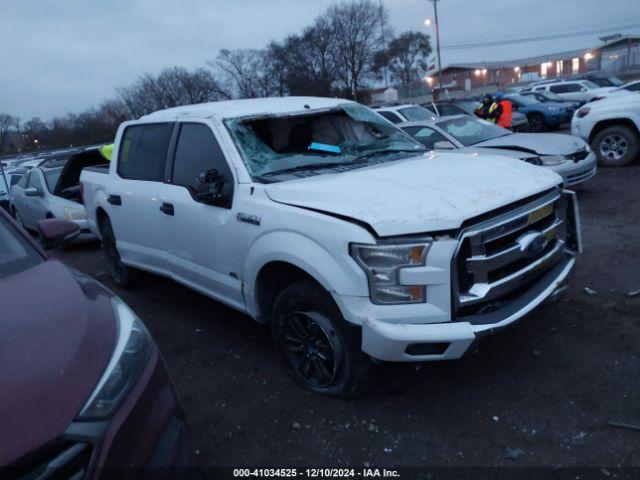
(574, 90)
(84, 385)
(519, 122)
(601, 81)
(569, 157)
(550, 97)
(541, 116)
(406, 113)
(322, 218)
(612, 127)
(8, 178)
(52, 190)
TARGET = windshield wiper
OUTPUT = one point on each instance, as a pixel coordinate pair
(386, 151)
(307, 167)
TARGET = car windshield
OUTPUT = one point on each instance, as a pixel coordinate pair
(416, 113)
(469, 130)
(349, 134)
(523, 99)
(16, 254)
(51, 177)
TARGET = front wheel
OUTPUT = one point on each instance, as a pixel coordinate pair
(536, 122)
(616, 146)
(121, 274)
(322, 351)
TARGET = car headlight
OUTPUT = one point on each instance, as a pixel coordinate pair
(133, 346)
(382, 264)
(583, 112)
(550, 160)
(71, 213)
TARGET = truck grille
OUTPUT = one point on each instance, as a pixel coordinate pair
(498, 258)
(60, 459)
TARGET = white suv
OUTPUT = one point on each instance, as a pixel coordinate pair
(575, 90)
(612, 127)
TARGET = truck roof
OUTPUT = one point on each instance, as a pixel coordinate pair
(248, 107)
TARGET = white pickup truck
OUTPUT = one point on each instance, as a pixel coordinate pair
(320, 217)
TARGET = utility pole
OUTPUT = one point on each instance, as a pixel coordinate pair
(384, 43)
(435, 10)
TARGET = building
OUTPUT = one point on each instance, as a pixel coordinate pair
(617, 55)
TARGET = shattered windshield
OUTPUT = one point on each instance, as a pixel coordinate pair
(348, 135)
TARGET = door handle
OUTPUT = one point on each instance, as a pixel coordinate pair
(114, 199)
(167, 209)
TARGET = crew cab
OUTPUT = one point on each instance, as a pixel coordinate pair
(322, 218)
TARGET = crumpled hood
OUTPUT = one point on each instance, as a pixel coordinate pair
(432, 192)
(541, 143)
(56, 338)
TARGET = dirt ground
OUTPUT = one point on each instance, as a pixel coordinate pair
(540, 393)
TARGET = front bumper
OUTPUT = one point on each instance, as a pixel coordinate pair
(574, 173)
(451, 340)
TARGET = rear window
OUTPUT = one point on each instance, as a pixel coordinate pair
(143, 151)
(16, 254)
(416, 113)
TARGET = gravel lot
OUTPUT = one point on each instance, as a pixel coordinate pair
(540, 393)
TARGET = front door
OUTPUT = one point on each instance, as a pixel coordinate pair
(201, 232)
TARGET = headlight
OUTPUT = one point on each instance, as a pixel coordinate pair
(129, 358)
(583, 112)
(382, 264)
(550, 160)
(71, 213)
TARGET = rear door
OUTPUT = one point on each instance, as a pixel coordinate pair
(201, 235)
(134, 199)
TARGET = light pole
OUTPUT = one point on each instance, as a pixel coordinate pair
(435, 16)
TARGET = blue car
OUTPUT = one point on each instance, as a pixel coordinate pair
(548, 115)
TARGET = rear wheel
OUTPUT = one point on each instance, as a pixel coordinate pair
(616, 146)
(536, 122)
(322, 351)
(121, 274)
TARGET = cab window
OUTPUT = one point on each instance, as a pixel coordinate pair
(198, 152)
(143, 151)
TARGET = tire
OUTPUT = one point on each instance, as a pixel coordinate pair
(322, 351)
(616, 146)
(122, 275)
(536, 122)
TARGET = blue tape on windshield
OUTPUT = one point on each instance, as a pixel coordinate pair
(323, 147)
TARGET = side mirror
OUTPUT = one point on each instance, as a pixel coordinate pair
(444, 145)
(55, 232)
(211, 185)
(32, 192)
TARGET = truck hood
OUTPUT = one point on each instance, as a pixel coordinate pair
(56, 338)
(432, 192)
(539, 143)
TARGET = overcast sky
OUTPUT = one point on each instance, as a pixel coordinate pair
(60, 56)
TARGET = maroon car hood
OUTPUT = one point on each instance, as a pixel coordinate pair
(56, 337)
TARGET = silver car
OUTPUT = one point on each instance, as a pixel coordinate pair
(568, 156)
(35, 198)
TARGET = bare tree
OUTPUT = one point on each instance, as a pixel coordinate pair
(34, 131)
(248, 70)
(406, 57)
(6, 122)
(354, 28)
(171, 88)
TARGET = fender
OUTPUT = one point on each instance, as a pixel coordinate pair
(337, 276)
(98, 200)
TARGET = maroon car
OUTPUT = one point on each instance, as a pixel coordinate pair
(83, 387)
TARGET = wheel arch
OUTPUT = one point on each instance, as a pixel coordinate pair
(612, 122)
(277, 259)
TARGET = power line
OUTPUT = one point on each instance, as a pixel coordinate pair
(540, 38)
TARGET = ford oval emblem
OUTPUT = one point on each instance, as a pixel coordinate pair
(532, 244)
